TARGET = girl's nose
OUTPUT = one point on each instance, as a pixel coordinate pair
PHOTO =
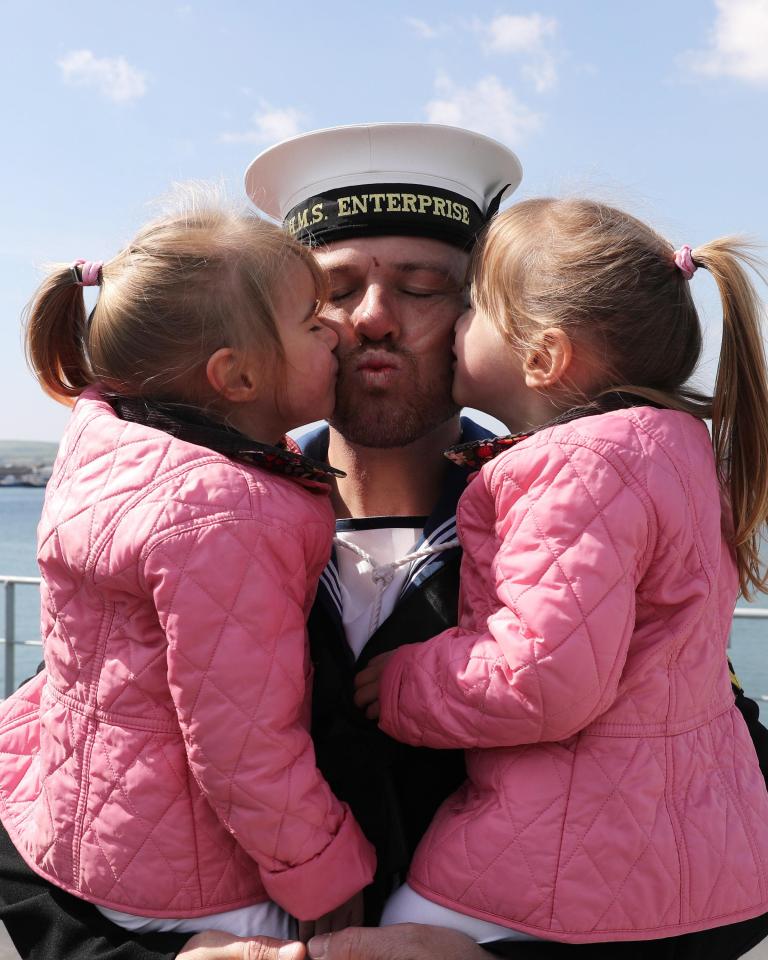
(463, 319)
(329, 334)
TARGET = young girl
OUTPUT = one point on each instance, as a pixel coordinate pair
(613, 792)
(160, 766)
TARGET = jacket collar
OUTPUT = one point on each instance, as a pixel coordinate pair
(473, 454)
(190, 425)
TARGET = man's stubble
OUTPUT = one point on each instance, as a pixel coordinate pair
(388, 417)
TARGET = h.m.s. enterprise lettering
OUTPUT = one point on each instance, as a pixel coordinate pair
(369, 204)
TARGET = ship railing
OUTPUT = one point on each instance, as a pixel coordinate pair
(10, 641)
(9, 638)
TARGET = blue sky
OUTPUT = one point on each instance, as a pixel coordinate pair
(659, 107)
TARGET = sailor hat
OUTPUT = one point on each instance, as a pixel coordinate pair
(419, 179)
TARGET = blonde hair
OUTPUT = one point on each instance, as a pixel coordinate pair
(611, 283)
(188, 284)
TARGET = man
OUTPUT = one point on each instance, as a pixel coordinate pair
(396, 288)
(388, 433)
(392, 211)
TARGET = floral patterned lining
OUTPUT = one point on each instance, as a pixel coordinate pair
(193, 426)
(477, 452)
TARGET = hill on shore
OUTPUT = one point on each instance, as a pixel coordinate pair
(23, 452)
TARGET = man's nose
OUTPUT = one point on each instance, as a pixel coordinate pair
(375, 317)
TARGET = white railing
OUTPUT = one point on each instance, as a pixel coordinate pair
(9, 639)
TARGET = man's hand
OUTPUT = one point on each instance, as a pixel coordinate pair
(404, 941)
(367, 685)
(217, 945)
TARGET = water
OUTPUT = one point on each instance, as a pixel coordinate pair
(20, 511)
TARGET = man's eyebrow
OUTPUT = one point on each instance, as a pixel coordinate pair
(420, 266)
(336, 271)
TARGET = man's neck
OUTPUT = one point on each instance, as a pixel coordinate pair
(395, 482)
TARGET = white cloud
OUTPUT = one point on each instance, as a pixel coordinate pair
(542, 72)
(738, 43)
(524, 37)
(269, 125)
(488, 107)
(114, 77)
(515, 34)
(421, 27)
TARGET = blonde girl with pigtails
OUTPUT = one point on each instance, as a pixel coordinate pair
(613, 791)
(160, 766)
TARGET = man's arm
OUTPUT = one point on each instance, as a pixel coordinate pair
(751, 713)
(46, 923)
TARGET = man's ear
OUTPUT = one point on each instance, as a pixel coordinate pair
(547, 364)
(230, 376)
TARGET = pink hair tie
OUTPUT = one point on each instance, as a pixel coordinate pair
(684, 261)
(89, 275)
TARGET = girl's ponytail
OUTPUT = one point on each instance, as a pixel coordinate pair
(740, 403)
(56, 333)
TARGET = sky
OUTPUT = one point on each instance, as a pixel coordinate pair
(658, 107)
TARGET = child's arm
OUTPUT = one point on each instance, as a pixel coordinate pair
(231, 597)
(567, 562)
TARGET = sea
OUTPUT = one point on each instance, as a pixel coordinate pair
(20, 509)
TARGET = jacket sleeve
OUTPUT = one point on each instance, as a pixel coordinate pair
(569, 537)
(232, 596)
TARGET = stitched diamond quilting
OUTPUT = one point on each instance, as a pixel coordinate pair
(618, 584)
(138, 529)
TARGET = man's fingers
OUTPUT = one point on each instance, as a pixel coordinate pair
(218, 945)
(373, 710)
(264, 948)
(358, 943)
(407, 941)
(365, 677)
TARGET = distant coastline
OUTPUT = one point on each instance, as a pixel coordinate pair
(26, 463)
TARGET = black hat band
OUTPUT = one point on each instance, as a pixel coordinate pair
(386, 208)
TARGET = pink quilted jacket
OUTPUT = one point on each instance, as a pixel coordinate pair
(613, 792)
(161, 763)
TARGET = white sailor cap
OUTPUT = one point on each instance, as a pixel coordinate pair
(419, 179)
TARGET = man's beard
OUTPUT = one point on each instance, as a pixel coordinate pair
(381, 417)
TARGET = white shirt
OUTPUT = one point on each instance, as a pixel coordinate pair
(369, 586)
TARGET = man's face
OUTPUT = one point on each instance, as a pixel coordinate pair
(393, 303)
